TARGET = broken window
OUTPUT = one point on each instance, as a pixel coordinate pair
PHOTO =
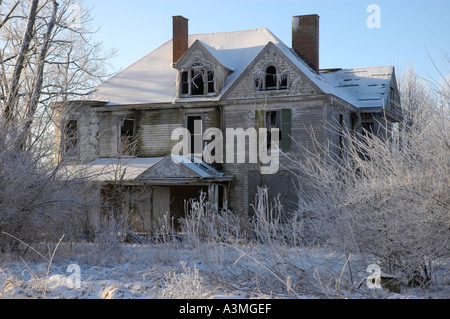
(197, 81)
(368, 128)
(198, 85)
(128, 142)
(194, 126)
(280, 119)
(70, 139)
(283, 79)
(272, 120)
(210, 78)
(271, 79)
(184, 83)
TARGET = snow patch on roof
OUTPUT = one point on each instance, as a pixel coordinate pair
(363, 87)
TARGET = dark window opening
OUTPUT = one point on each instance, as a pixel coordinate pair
(283, 81)
(272, 120)
(392, 96)
(368, 128)
(127, 137)
(210, 78)
(184, 83)
(194, 126)
(71, 138)
(221, 198)
(198, 86)
(271, 78)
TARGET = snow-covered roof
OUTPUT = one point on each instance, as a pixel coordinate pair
(130, 169)
(363, 87)
(112, 169)
(152, 79)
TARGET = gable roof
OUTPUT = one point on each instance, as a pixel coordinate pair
(214, 55)
(152, 79)
(179, 167)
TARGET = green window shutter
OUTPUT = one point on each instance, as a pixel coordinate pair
(259, 119)
(286, 130)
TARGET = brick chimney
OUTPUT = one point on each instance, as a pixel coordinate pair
(180, 37)
(305, 39)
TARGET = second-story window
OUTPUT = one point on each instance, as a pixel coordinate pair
(194, 125)
(128, 140)
(197, 81)
(280, 119)
(70, 138)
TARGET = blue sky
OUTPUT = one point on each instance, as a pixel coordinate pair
(408, 28)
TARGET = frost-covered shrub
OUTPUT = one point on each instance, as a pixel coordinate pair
(389, 199)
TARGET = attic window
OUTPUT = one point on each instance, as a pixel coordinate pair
(197, 81)
(271, 79)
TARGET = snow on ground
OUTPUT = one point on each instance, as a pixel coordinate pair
(174, 270)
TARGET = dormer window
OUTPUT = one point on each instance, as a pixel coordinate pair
(271, 79)
(200, 73)
(197, 81)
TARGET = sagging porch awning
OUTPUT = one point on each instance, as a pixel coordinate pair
(168, 170)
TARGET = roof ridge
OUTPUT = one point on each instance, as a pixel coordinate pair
(223, 32)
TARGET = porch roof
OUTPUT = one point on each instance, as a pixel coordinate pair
(171, 169)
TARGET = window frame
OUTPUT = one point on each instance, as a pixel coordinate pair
(130, 150)
(281, 79)
(192, 136)
(187, 89)
(66, 149)
(284, 120)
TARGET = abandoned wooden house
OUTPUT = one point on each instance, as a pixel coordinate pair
(247, 80)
